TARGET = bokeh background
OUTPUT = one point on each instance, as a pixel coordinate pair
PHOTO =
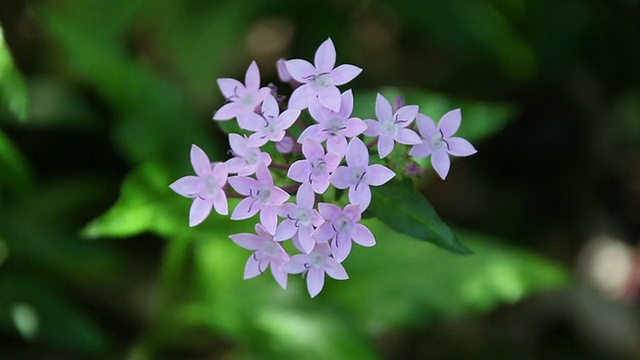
(101, 101)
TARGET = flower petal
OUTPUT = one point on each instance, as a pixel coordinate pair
(247, 241)
(299, 171)
(270, 108)
(252, 268)
(300, 70)
(378, 174)
(269, 218)
(335, 269)
(407, 137)
(441, 163)
(344, 73)
(296, 265)
(304, 238)
(220, 174)
(220, 202)
(187, 186)
(305, 196)
(353, 212)
(251, 121)
(287, 118)
(330, 98)
(329, 211)
(312, 149)
(228, 111)
(324, 232)
(385, 145)
(285, 230)
(421, 150)
(263, 174)
(252, 77)
(357, 153)
(362, 235)
(406, 114)
(426, 126)
(450, 123)
(360, 195)
(314, 131)
(278, 196)
(346, 104)
(238, 144)
(337, 144)
(319, 112)
(383, 108)
(200, 161)
(315, 281)
(460, 147)
(340, 178)
(279, 275)
(243, 185)
(354, 127)
(301, 96)
(246, 208)
(229, 87)
(199, 211)
(341, 247)
(325, 58)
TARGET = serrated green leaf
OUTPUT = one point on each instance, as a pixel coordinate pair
(404, 282)
(13, 91)
(403, 209)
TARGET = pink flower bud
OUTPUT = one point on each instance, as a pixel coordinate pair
(286, 145)
(398, 102)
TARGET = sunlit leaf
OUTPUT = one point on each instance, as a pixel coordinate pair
(403, 209)
(13, 91)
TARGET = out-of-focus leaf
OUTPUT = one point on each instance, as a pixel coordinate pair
(54, 103)
(14, 171)
(44, 316)
(479, 120)
(13, 91)
(403, 209)
(402, 281)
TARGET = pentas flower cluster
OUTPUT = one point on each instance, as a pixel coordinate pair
(329, 152)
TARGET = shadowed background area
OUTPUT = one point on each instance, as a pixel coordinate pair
(101, 101)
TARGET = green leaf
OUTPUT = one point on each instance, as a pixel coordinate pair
(404, 282)
(399, 206)
(14, 171)
(13, 91)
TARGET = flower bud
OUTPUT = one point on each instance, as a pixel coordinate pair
(286, 145)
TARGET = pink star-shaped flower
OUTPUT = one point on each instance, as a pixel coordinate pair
(246, 157)
(267, 253)
(314, 265)
(320, 80)
(358, 174)
(439, 143)
(261, 195)
(341, 227)
(300, 219)
(316, 167)
(334, 127)
(241, 99)
(271, 125)
(205, 189)
(391, 126)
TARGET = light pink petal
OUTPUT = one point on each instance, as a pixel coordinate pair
(450, 123)
(188, 186)
(305, 196)
(301, 96)
(287, 118)
(316, 218)
(379, 174)
(229, 87)
(406, 114)
(353, 211)
(373, 128)
(315, 281)
(252, 77)
(279, 275)
(238, 144)
(341, 247)
(251, 121)
(199, 211)
(421, 150)
(245, 209)
(269, 218)
(270, 108)
(286, 209)
(304, 238)
(426, 126)
(319, 112)
(354, 127)
(312, 149)
(385, 145)
(252, 268)
(265, 158)
(263, 233)
(299, 171)
(220, 203)
(243, 185)
(441, 163)
(312, 132)
(235, 165)
(330, 98)
(346, 104)
(320, 184)
(335, 269)
(200, 161)
(408, 137)
(344, 73)
(283, 73)
(262, 94)
(360, 195)
(332, 160)
(228, 111)
(257, 139)
(460, 147)
(264, 175)
(340, 178)
(278, 196)
(285, 230)
(329, 211)
(362, 235)
(247, 241)
(220, 174)
(324, 232)
(300, 70)
(296, 265)
(337, 144)
(325, 57)
(383, 108)
(357, 153)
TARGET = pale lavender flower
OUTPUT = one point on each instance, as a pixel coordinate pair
(358, 174)
(271, 125)
(246, 158)
(439, 143)
(314, 265)
(286, 145)
(391, 126)
(334, 127)
(284, 75)
(267, 253)
(241, 99)
(205, 189)
(262, 196)
(316, 167)
(320, 81)
(341, 227)
(300, 219)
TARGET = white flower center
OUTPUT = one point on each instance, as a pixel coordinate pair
(249, 101)
(263, 194)
(301, 216)
(342, 224)
(252, 158)
(270, 249)
(437, 142)
(356, 175)
(322, 81)
(334, 126)
(210, 186)
(388, 128)
(317, 259)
